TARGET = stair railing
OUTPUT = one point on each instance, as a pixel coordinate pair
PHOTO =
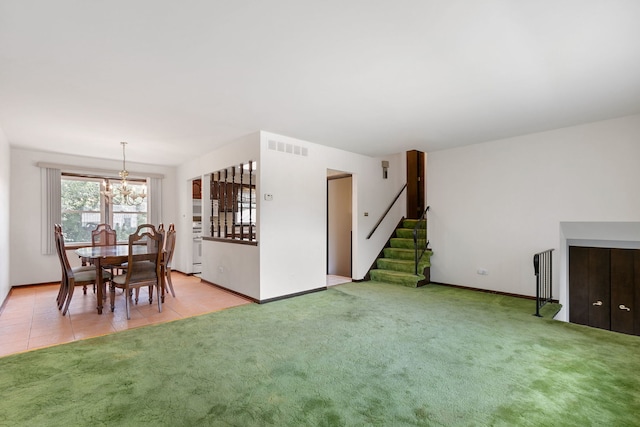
(375, 227)
(420, 245)
(542, 265)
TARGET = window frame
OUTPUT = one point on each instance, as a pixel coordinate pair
(107, 212)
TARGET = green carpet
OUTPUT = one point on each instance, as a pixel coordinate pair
(355, 355)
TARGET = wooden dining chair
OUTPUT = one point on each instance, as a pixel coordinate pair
(62, 292)
(72, 276)
(142, 272)
(103, 235)
(169, 246)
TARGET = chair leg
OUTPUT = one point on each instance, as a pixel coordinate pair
(127, 304)
(112, 296)
(173, 294)
(62, 294)
(151, 294)
(159, 299)
(69, 296)
(137, 294)
(63, 298)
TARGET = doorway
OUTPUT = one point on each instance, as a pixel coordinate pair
(339, 227)
(196, 200)
(415, 184)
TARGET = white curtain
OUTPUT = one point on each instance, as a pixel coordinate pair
(154, 202)
(51, 207)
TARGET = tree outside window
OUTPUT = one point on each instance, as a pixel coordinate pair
(81, 208)
(84, 207)
(126, 218)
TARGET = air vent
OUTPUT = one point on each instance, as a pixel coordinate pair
(288, 148)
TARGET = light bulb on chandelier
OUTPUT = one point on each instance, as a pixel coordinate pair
(123, 191)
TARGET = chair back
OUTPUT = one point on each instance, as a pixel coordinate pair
(103, 235)
(57, 234)
(169, 245)
(154, 240)
(67, 271)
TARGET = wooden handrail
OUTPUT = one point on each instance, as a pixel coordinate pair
(375, 227)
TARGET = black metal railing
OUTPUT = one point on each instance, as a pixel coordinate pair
(542, 265)
(420, 242)
(375, 227)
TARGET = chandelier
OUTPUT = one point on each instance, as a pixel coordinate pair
(123, 191)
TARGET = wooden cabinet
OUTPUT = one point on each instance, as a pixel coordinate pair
(604, 288)
(625, 291)
(197, 189)
(415, 184)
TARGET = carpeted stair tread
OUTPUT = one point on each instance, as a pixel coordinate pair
(399, 277)
(405, 265)
(411, 223)
(398, 242)
(404, 253)
(407, 233)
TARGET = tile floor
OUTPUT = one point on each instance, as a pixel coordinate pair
(333, 280)
(30, 318)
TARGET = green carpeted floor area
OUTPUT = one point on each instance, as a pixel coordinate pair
(354, 355)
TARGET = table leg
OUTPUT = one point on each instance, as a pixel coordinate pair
(163, 281)
(99, 285)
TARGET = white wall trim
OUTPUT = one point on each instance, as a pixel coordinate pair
(107, 173)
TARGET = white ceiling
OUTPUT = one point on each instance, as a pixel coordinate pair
(179, 78)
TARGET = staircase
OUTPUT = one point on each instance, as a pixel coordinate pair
(396, 263)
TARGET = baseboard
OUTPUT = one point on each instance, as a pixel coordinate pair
(230, 290)
(27, 285)
(490, 291)
(297, 294)
(264, 301)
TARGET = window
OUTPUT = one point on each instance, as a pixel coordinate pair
(81, 208)
(126, 218)
(84, 205)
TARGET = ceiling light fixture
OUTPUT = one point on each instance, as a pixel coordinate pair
(124, 191)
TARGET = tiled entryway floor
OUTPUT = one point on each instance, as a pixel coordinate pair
(30, 318)
(333, 280)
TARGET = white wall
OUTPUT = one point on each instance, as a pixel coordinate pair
(292, 228)
(233, 266)
(27, 264)
(5, 168)
(293, 232)
(494, 205)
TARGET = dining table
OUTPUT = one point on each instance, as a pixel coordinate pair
(112, 255)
